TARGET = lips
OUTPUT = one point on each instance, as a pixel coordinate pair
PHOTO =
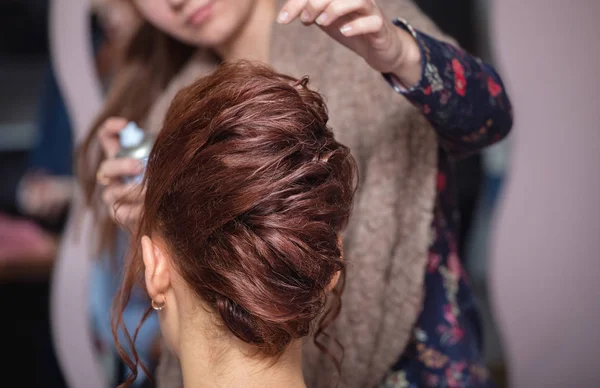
(200, 14)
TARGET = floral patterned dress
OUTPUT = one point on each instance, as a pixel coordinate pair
(465, 101)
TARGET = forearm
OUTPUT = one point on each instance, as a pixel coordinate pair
(462, 97)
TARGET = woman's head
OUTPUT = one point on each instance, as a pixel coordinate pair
(247, 192)
(205, 23)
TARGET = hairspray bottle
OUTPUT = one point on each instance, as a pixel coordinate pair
(135, 143)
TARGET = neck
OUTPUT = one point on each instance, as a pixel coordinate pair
(234, 364)
(252, 40)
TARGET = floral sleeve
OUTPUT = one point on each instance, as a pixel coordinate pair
(461, 96)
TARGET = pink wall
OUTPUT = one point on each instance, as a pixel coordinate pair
(545, 264)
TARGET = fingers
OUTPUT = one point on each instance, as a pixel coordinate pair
(313, 9)
(325, 12)
(108, 135)
(124, 202)
(291, 10)
(362, 26)
(336, 9)
(115, 169)
(127, 215)
(123, 193)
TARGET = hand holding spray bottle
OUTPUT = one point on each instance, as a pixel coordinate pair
(135, 143)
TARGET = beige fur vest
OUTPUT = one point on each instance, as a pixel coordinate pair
(387, 239)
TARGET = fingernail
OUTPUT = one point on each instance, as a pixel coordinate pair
(321, 19)
(283, 17)
(305, 17)
(346, 29)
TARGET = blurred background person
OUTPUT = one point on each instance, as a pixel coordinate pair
(36, 165)
(461, 97)
(119, 21)
(44, 191)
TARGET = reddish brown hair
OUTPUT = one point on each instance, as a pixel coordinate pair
(250, 190)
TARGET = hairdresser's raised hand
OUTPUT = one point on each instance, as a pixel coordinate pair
(123, 201)
(361, 26)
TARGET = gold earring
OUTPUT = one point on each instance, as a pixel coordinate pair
(156, 306)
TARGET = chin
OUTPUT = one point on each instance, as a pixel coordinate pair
(213, 36)
(215, 31)
(209, 42)
(203, 40)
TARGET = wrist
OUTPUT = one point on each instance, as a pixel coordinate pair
(409, 67)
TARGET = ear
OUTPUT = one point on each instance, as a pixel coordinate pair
(156, 267)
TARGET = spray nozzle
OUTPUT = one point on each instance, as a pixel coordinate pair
(131, 135)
